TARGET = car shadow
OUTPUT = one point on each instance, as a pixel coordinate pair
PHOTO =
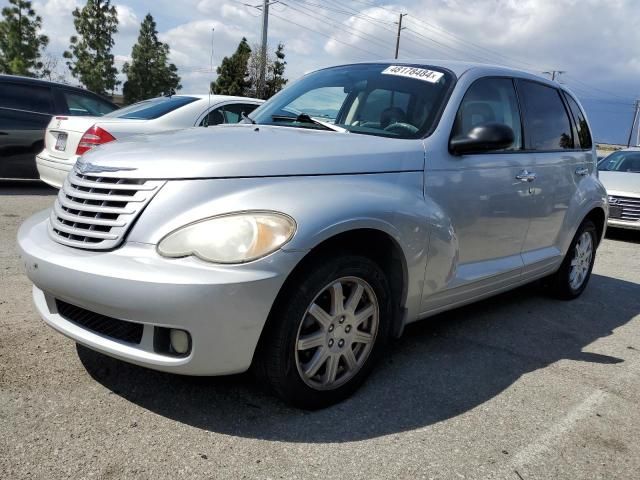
(623, 235)
(25, 187)
(439, 369)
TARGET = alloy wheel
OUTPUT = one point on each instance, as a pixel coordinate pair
(337, 333)
(581, 262)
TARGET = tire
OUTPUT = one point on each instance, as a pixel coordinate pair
(566, 284)
(308, 324)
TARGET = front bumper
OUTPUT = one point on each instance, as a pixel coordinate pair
(224, 308)
(52, 170)
(627, 224)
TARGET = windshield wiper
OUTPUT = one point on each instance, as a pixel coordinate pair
(306, 118)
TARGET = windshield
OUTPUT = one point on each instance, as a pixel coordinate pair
(621, 162)
(153, 108)
(375, 99)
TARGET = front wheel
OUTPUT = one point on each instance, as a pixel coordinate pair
(326, 331)
(574, 273)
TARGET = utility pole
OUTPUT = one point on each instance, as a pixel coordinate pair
(263, 50)
(399, 30)
(633, 124)
(554, 73)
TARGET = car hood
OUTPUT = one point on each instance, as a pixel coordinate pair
(621, 183)
(251, 151)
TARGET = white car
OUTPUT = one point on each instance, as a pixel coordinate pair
(620, 174)
(67, 138)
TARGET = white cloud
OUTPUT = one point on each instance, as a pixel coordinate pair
(128, 22)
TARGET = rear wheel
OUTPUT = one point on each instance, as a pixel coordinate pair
(326, 332)
(574, 273)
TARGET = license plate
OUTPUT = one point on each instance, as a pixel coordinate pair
(615, 212)
(61, 142)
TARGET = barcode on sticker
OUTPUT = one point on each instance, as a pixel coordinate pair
(413, 72)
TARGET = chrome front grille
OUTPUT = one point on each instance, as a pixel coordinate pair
(95, 212)
(630, 207)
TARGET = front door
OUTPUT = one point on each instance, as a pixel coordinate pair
(486, 199)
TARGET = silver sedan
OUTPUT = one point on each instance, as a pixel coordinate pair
(67, 138)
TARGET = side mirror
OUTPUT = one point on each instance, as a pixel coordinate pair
(483, 138)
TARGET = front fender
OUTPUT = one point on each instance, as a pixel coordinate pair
(322, 206)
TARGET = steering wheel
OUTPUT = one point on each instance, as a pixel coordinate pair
(401, 128)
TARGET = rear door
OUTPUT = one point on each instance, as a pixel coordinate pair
(559, 161)
(480, 194)
(25, 111)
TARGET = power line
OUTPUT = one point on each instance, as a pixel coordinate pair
(352, 31)
(324, 35)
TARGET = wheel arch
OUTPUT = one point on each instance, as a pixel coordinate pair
(599, 218)
(376, 244)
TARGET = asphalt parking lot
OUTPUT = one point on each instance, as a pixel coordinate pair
(517, 387)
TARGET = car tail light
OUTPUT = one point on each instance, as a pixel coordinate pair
(93, 137)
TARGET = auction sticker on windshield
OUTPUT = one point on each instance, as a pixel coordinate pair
(413, 72)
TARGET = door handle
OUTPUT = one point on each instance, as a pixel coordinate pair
(526, 176)
(582, 171)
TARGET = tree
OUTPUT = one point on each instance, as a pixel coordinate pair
(52, 69)
(20, 43)
(254, 65)
(233, 72)
(150, 74)
(275, 74)
(274, 78)
(89, 56)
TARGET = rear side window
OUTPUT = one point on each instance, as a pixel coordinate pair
(547, 124)
(584, 136)
(490, 100)
(32, 98)
(231, 113)
(85, 105)
(151, 109)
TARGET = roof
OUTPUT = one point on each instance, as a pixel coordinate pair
(216, 98)
(40, 81)
(459, 67)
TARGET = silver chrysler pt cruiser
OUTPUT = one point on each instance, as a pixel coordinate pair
(359, 199)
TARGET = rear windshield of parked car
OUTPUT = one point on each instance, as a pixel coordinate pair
(79, 104)
(397, 101)
(154, 108)
(621, 162)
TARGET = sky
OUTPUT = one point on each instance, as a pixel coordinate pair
(595, 42)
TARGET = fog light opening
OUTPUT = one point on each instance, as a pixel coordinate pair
(179, 341)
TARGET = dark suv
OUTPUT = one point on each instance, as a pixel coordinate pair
(26, 107)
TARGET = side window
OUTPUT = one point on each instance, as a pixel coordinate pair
(584, 136)
(490, 100)
(546, 121)
(85, 105)
(233, 112)
(32, 98)
(215, 117)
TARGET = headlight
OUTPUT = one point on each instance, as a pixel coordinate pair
(233, 238)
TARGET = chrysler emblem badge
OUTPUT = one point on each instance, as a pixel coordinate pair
(86, 167)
